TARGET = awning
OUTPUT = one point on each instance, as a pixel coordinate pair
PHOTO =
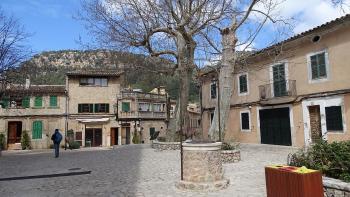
(90, 120)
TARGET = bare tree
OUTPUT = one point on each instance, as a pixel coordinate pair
(13, 50)
(166, 28)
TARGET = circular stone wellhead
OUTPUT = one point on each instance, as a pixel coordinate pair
(202, 167)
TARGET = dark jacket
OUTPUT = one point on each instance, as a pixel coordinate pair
(56, 137)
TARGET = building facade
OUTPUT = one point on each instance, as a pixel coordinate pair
(91, 106)
(293, 93)
(36, 109)
(142, 114)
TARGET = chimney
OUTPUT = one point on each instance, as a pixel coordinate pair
(27, 83)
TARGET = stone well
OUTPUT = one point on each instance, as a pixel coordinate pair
(202, 167)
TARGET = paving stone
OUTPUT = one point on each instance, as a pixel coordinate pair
(134, 170)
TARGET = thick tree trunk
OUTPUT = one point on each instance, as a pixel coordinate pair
(226, 85)
(186, 66)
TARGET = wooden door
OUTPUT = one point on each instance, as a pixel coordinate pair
(315, 123)
(12, 131)
(127, 133)
(97, 137)
(113, 136)
(275, 126)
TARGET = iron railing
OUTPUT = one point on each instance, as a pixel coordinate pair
(278, 89)
(142, 114)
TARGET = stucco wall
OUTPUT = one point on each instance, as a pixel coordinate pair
(336, 43)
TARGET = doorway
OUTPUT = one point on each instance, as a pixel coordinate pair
(14, 132)
(315, 123)
(93, 137)
(275, 126)
(125, 135)
(114, 136)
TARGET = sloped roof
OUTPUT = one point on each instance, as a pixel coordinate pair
(335, 22)
(36, 89)
(95, 73)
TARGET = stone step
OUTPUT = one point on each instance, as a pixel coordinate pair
(15, 146)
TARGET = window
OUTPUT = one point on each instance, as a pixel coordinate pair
(85, 108)
(93, 81)
(318, 66)
(213, 90)
(38, 101)
(152, 130)
(125, 106)
(144, 107)
(211, 117)
(157, 107)
(243, 84)
(334, 118)
(53, 101)
(37, 130)
(26, 102)
(245, 121)
(102, 108)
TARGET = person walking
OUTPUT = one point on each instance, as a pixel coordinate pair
(56, 138)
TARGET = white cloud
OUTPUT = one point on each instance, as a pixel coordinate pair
(311, 13)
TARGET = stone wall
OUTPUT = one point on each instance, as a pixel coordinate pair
(335, 188)
(230, 156)
(165, 145)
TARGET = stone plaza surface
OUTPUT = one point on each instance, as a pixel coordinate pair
(133, 170)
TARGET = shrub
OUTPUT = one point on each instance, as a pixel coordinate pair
(2, 141)
(136, 138)
(25, 140)
(74, 145)
(332, 159)
(228, 146)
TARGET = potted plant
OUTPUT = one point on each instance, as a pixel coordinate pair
(230, 152)
(25, 141)
(2, 142)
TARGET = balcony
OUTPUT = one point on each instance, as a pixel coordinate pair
(278, 92)
(141, 115)
(142, 96)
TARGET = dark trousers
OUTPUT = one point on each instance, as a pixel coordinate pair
(57, 149)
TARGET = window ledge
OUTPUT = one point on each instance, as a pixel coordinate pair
(335, 132)
(246, 130)
(318, 80)
(37, 107)
(53, 107)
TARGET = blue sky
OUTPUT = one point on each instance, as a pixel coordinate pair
(50, 22)
(53, 27)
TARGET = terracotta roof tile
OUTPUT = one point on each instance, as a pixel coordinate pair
(98, 73)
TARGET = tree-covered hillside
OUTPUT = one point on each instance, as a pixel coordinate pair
(140, 71)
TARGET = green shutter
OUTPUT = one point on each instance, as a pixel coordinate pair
(91, 108)
(37, 130)
(107, 108)
(80, 108)
(125, 107)
(318, 66)
(97, 108)
(243, 84)
(53, 101)
(26, 102)
(5, 102)
(38, 102)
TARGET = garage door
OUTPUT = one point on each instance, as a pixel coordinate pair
(275, 126)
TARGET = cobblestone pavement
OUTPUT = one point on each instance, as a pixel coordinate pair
(134, 170)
